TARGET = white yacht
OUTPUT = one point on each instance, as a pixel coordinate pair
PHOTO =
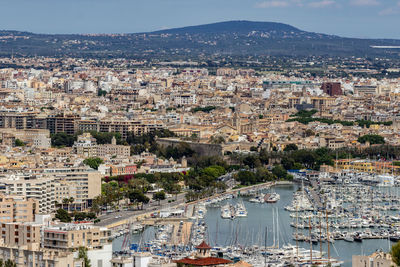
(226, 211)
(240, 210)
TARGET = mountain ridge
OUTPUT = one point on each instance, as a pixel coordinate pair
(230, 26)
(234, 38)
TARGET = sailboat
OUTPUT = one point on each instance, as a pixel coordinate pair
(272, 198)
(348, 237)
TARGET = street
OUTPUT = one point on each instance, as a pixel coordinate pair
(114, 217)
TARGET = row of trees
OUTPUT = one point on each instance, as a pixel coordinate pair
(290, 159)
(373, 139)
(262, 175)
(65, 216)
(138, 143)
(294, 159)
(7, 263)
(306, 116)
(147, 142)
(203, 179)
(67, 140)
(207, 109)
(134, 188)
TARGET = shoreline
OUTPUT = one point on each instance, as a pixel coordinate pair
(120, 225)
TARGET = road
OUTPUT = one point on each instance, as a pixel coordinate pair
(114, 217)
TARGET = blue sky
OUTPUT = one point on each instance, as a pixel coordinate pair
(352, 18)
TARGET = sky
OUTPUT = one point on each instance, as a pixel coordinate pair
(349, 18)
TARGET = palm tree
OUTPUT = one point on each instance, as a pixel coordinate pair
(97, 204)
(65, 201)
(71, 201)
(82, 254)
(10, 263)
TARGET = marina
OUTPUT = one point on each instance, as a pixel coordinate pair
(347, 227)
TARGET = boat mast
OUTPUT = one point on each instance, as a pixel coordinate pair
(277, 226)
(216, 234)
(327, 232)
(273, 224)
(265, 246)
(309, 227)
(297, 232)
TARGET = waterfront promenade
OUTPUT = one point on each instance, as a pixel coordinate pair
(122, 218)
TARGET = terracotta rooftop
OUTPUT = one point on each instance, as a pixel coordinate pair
(203, 245)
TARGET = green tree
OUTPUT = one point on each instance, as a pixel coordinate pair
(214, 171)
(105, 138)
(137, 196)
(93, 162)
(264, 156)
(279, 171)
(309, 133)
(82, 254)
(254, 149)
(110, 192)
(96, 204)
(290, 147)
(305, 157)
(9, 263)
(305, 113)
(288, 163)
(297, 166)
(263, 175)
(67, 201)
(205, 109)
(63, 215)
(101, 92)
(62, 140)
(177, 152)
(252, 161)
(217, 139)
(159, 196)
(395, 252)
(246, 178)
(372, 139)
(19, 143)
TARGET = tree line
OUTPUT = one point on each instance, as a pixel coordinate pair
(306, 116)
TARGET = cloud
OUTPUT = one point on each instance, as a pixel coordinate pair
(388, 11)
(268, 4)
(296, 3)
(365, 2)
(321, 4)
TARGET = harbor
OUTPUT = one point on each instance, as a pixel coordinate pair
(240, 226)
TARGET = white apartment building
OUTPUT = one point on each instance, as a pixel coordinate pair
(49, 186)
(82, 183)
(41, 189)
(185, 99)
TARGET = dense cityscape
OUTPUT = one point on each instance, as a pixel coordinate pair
(232, 144)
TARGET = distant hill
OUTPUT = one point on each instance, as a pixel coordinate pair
(233, 38)
(238, 27)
